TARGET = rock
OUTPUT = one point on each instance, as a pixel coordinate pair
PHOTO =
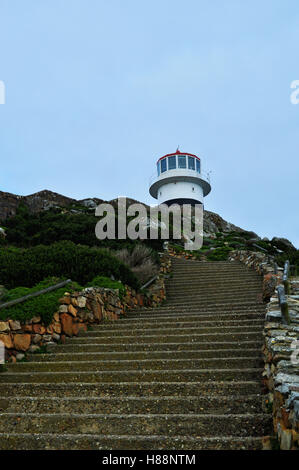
(285, 439)
(56, 317)
(47, 338)
(36, 339)
(27, 328)
(4, 327)
(63, 308)
(97, 310)
(14, 325)
(33, 348)
(56, 337)
(66, 324)
(283, 243)
(57, 327)
(65, 300)
(20, 356)
(75, 329)
(36, 319)
(39, 329)
(7, 340)
(22, 342)
(72, 310)
(81, 301)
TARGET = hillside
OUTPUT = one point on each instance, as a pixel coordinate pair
(45, 200)
(47, 217)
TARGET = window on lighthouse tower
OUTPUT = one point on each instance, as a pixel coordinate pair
(191, 163)
(182, 161)
(172, 163)
(198, 166)
(163, 165)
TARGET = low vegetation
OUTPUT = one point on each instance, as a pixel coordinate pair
(44, 305)
(64, 259)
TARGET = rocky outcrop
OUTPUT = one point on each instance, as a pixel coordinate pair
(213, 223)
(36, 202)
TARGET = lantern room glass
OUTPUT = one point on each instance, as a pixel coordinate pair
(182, 161)
(172, 162)
(163, 165)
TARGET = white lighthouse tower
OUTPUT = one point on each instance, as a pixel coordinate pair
(179, 180)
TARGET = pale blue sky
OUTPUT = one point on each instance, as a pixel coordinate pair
(97, 90)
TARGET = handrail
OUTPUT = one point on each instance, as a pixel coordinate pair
(148, 283)
(34, 294)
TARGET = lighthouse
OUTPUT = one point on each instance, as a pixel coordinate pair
(179, 180)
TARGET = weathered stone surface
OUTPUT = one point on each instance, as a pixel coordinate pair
(6, 339)
(36, 339)
(22, 341)
(72, 310)
(14, 325)
(81, 301)
(65, 300)
(33, 348)
(57, 327)
(63, 308)
(39, 329)
(36, 319)
(20, 356)
(66, 324)
(4, 327)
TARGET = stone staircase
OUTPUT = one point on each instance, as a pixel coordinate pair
(184, 376)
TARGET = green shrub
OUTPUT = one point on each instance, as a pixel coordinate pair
(102, 281)
(219, 254)
(44, 305)
(29, 266)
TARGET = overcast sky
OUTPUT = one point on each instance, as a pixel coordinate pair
(97, 90)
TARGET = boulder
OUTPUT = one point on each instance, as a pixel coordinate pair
(22, 342)
(66, 324)
(6, 339)
(4, 327)
(14, 325)
(72, 310)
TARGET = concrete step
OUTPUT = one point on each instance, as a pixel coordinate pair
(197, 323)
(147, 347)
(99, 355)
(23, 441)
(194, 313)
(123, 389)
(173, 375)
(216, 404)
(204, 320)
(203, 286)
(137, 365)
(194, 425)
(220, 272)
(141, 330)
(209, 309)
(202, 304)
(169, 338)
(224, 297)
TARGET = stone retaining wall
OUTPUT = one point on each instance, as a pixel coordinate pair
(77, 312)
(280, 351)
